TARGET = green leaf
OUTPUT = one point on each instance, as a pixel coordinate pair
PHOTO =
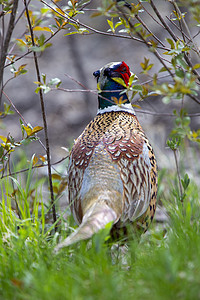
(197, 66)
(120, 81)
(110, 23)
(132, 79)
(38, 28)
(44, 77)
(41, 40)
(180, 73)
(180, 61)
(35, 130)
(35, 49)
(37, 90)
(137, 87)
(45, 88)
(118, 24)
(1, 151)
(54, 81)
(41, 48)
(3, 138)
(174, 143)
(171, 42)
(163, 69)
(185, 181)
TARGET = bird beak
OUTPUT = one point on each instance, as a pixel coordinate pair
(97, 74)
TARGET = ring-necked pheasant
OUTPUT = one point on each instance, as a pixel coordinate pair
(112, 168)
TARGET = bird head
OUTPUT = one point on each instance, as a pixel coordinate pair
(111, 89)
(106, 75)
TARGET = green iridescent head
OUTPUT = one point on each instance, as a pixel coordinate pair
(111, 91)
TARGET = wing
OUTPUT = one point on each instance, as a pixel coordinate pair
(79, 160)
(128, 148)
(80, 157)
(137, 185)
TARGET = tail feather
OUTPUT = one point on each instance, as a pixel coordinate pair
(95, 219)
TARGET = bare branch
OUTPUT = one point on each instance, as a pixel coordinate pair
(173, 36)
(34, 167)
(149, 45)
(30, 51)
(7, 41)
(192, 115)
(194, 98)
(186, 27)
(65, 15)
(147, 11)
(44, 118)
(146, 27)
(163, 22)
(179, 21)
(182, 32)
(17, 111)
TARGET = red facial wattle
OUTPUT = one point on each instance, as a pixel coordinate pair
(124, 72)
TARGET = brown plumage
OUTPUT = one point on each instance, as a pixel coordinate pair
(112, 168)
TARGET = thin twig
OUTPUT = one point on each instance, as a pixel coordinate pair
(159, 78)
(196, 34)
(71, 19)
(20, 57)
(179, 21)
(78, 82)
(194, 98)
(149, 45)
(34, 167)
(22, 12)
(84, 5)
(186, 26)
(44, 119)
(96, 93)
(163, 22)
(7, 41)
(146, 27)
(2, 31)
(192, 115)
(183, 33)
(147, 11)
(87, 27)
(66, 16)
(17, 111)
(30, 51)
(174, 38)
(15, 108)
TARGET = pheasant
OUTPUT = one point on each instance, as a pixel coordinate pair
(112, 173)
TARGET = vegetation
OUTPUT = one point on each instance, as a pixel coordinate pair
(164, 263)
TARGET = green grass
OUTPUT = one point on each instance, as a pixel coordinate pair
(163, 264)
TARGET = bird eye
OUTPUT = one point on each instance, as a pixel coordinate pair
(107, 72)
